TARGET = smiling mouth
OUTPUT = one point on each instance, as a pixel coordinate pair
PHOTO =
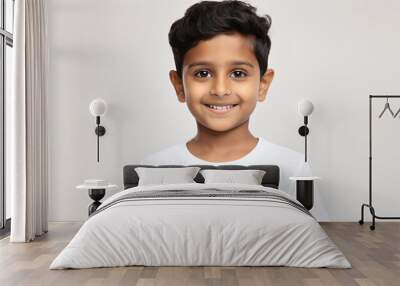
(221, 108)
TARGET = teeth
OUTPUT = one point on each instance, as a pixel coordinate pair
(221, 107)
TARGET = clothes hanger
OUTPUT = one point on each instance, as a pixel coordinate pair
(398, 111)
(387, 107)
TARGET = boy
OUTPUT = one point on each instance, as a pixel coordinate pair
(221, 53)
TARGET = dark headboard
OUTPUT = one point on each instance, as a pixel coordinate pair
(270, 179)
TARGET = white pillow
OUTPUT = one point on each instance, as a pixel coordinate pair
(249, 177)
(162, 176)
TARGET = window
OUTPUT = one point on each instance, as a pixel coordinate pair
(6, 60)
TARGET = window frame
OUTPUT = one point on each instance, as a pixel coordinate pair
(6, 39)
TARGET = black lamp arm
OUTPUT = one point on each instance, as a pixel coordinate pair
(100, 131)
(303, 131)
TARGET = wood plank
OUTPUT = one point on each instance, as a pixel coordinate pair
(374, 255)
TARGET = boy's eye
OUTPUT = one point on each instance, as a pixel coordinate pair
(202, 73)
(239, 73)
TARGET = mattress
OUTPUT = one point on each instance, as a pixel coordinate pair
(201, 225)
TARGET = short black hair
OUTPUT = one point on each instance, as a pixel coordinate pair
(207, 19)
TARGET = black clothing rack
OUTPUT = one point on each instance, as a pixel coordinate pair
(371, 208)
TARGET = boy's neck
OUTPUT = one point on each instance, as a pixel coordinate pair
(213, 141)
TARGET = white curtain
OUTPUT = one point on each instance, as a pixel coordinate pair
(28, 122)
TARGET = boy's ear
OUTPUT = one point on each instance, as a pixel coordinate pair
(265, 82)
(178, 85)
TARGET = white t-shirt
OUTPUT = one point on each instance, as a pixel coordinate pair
(290, 162)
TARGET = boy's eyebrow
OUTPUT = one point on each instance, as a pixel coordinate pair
(204, 63)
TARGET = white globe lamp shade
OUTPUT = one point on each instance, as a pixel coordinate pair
(305, 107)
(98, 107)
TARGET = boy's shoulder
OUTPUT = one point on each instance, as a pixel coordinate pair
(168, 155)
(280, 150)
(288, 159)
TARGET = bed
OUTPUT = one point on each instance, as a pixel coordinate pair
(201, 224)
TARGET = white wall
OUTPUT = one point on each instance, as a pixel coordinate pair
(334, 53)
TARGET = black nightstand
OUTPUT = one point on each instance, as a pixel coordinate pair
(96, 193)
(305, 190)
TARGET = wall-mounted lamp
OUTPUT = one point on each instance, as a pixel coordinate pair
(98, 107)
(305, 108)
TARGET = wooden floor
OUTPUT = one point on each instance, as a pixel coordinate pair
(374, 255)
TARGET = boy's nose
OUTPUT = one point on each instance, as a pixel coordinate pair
(221, 93)
(220, 88)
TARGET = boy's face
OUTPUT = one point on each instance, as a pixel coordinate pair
(221, 81)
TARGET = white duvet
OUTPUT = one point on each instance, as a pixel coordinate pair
(200, 231)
